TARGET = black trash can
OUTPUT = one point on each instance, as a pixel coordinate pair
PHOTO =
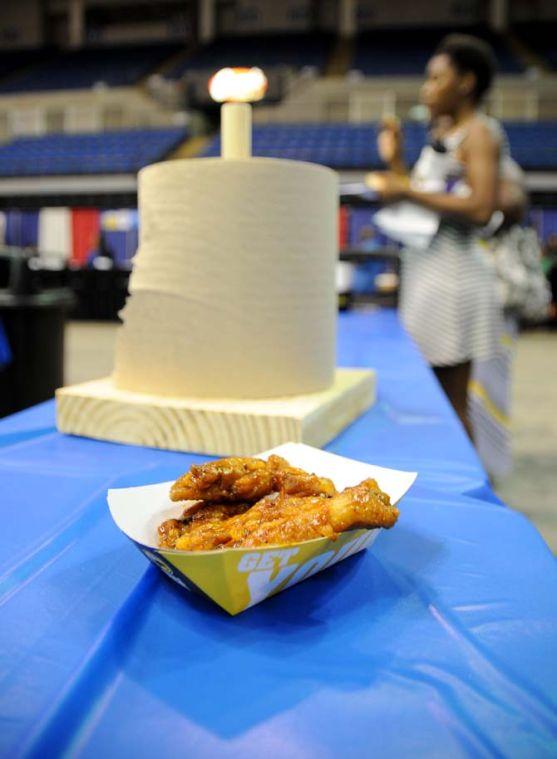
(34, 326)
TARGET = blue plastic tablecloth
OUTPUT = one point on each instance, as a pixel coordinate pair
(5, 352)
(439, 641)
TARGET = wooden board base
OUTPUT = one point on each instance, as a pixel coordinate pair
(100, 410)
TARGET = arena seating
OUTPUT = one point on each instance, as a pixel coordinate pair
(100, 153)
(341, 146)
(541, 38)
(533, 146)
(13, 60)
(263, 50)
(79, 69)
(385, 52)
(402, 53)
(348, 146)
(345, 145)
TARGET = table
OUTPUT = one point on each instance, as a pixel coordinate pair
(439, 641)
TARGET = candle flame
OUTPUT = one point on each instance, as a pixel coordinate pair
(238, 85)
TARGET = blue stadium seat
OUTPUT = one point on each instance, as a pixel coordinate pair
(343, 146)
(295, 50)
(541, 37)
(81, 69)
(340, 146)
(400, 52)
(101, 153)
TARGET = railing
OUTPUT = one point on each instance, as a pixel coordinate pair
(72, 119)
(528, 104)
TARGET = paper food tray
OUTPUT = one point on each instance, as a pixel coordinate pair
(237, 578)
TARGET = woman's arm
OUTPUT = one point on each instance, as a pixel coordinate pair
(512, 200)
(481, 159)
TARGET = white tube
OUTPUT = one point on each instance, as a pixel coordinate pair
(235, 130)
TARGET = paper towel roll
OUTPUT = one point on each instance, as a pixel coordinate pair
(233, 288)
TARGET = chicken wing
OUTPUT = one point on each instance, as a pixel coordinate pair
(364, 505)
(246, 479)
(203, 526)
(289, 479)
(231, 479)
(282, 519)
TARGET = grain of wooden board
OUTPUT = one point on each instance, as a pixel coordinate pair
(100, 410)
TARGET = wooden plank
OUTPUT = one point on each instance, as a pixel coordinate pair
(100, 410)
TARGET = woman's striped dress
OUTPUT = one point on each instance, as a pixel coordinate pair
(489, 404)
(448, 299)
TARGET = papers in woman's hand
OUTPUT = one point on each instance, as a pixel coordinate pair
(408, 223)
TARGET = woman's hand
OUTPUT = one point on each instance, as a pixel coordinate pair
(388, 185)
(389, 142)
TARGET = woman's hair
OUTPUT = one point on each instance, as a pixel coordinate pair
(470, 55)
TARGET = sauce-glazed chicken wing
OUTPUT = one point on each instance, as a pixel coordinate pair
(203, 526)
(238, 479)
(282, 519)
(364, 505)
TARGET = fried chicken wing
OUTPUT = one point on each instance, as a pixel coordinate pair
(289, 479)
(364, 505)
(230, 479)
(281, 519)
(246, 479)
(202, 526)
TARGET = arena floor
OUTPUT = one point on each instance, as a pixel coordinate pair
(532, 485)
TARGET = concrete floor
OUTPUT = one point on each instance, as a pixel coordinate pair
(531, 486)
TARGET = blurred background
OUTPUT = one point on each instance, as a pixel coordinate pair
(93, 90)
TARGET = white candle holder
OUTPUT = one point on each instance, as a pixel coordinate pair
(236, 88)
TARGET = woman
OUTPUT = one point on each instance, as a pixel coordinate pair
(448, 301)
